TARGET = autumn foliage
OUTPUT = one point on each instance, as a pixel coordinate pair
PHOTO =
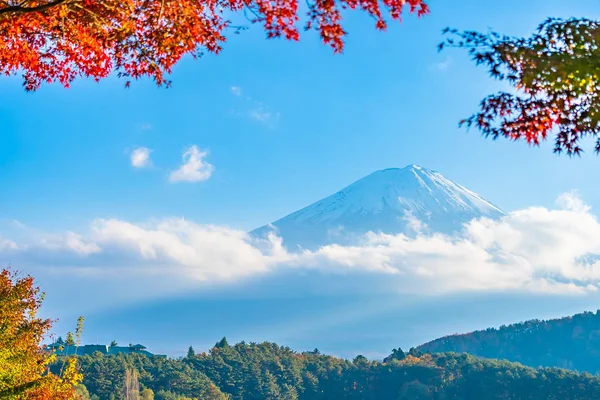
(556, 73)
(60, 40)
(23, 361)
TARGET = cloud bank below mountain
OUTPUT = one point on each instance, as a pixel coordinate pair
(535, 250)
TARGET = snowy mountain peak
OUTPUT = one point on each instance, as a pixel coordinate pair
(384, 201)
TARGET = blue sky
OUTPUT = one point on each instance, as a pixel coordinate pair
(299, 124)
(389, 101)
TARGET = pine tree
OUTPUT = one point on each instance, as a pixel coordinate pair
(398, 354)
(289, 392)
(191, 353)
(269, 387)
(414, 352)
(213, 393)
(360, 359)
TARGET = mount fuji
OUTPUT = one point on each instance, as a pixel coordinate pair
(395, 200)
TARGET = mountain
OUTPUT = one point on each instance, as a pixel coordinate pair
(390, 201)
(571, 342)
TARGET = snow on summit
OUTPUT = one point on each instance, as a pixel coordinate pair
(393, 200)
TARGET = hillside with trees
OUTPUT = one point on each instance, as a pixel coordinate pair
(571, 342)
(268, 371)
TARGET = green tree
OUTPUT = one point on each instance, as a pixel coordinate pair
(360, 359)
(131, 385)
(114, 343)
(267, 371)
(398, 354)
(222, 343)
(289, 392)
(269, 387)
(213, 393)
(414, 352)
(147, 394)
(191, 353)
(81, 392)
(23, 360)
(416, 391)
(70, 339)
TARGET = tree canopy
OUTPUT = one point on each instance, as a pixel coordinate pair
(24, 362)
(556, 73)
(60, 40)
(266, 371)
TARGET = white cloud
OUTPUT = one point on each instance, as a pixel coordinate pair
(140, 157)
(442, 65)
(413, 223)
(264, 115)
(194, 168)
(17, 224)
(7, 245)
(199, 252)
(236, 90)
(70, 242)
(254, 109)
(79, 245)
(535, 250)
(260, 115)
(571, 201)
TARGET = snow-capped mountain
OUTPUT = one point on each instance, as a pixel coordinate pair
(394, 200)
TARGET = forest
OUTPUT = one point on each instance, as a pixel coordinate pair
(571, 342)
(251, 371)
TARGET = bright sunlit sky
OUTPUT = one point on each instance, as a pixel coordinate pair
(307, 123)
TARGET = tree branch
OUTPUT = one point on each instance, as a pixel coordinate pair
(20, 9)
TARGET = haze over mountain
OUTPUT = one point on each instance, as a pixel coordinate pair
(394, 200)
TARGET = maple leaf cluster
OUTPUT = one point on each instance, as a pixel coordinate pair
(60, 40)
(556, 73)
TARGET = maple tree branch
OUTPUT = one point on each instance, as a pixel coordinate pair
(160, 14)
(20, 9)
(19, 390)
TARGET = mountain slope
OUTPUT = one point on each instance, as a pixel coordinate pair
(389, 201)
(571, 342)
